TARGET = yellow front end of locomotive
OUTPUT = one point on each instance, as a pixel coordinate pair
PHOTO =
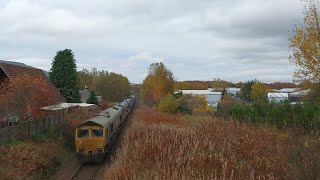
(90, 143)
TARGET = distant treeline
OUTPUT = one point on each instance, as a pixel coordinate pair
(218, 83)
(111, 86)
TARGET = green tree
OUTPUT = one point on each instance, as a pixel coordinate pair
(168, 104)
(63, 74)
(305, 44)
(92, 99)
(245, 91)
(259, 94)
(157, 84)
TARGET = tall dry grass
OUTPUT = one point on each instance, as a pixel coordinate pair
(162, 146)
(28, 160)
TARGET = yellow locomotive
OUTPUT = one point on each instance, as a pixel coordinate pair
(96, 134)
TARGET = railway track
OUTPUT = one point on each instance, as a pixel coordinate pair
(87, 171)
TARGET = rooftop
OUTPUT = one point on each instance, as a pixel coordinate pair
(66, 105)
(16, 69)
(277, 95)
(289, 90)
(200, 92)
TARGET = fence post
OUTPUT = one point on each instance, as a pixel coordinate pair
(43, 124)
(37, 127)
(49, 124)
(9, 133)
(54, 121)
(29, 129)
(20, 125)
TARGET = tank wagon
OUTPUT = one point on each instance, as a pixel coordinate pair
(95, 135)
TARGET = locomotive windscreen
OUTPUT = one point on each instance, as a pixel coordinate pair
(96, 133)
(83, 133)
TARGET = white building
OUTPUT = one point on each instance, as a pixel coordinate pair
(232, 91)
(298, 96)
(212, 97)
(277, 97)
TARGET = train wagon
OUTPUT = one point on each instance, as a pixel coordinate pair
(93, 136)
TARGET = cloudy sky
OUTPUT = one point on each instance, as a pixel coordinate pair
(197, 40)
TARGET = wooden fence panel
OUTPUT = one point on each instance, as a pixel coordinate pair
(51, 122)
(4, 133)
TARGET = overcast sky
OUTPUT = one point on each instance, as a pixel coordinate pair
(198, 40)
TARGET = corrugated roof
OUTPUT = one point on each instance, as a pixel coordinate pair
(287, 90)
(199, 92)
(277, 95)
(300, 93)
(233, 89)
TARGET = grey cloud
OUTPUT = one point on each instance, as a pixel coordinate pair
(196, 39)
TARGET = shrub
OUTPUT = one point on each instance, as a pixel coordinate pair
(226, 106)
(189, 104)
(282, 115)
(92, 99)
(168, 104)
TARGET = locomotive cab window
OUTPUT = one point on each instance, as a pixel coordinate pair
(83, 133)
(97, 133)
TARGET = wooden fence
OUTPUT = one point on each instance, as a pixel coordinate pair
(51, 121)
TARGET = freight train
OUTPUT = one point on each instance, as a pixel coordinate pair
(94, 136)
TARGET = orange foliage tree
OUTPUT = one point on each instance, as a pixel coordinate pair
(23, 96)
(157, 84)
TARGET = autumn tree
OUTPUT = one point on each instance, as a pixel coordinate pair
(259, 94)
(219, 85)
(194, 104)
(63, 74)
(168, 104)
(87, 78)
(305, 44)
(157, 84)
(24, 96)
(111, 86)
